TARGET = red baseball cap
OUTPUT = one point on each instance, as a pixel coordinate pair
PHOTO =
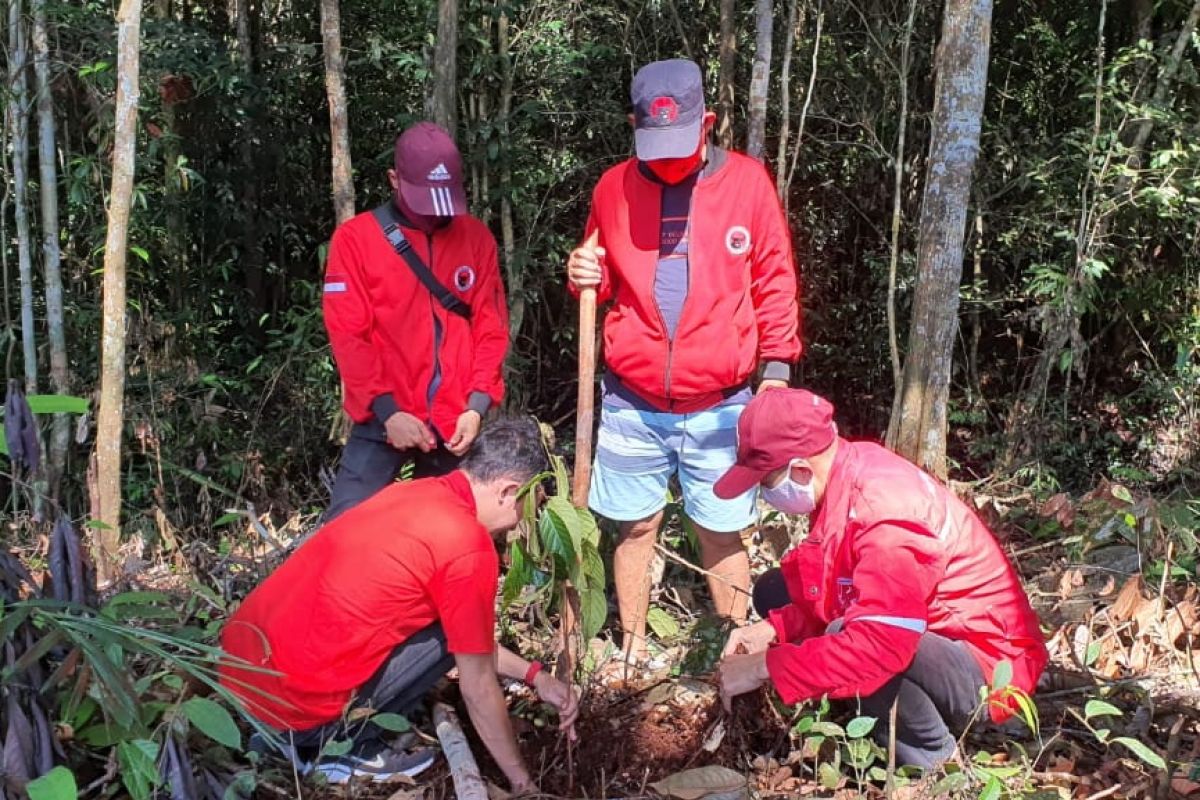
(430, 171)
(776, 427)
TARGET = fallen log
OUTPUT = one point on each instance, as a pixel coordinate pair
(468, 783)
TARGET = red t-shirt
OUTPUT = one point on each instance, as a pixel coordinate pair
(329, 617)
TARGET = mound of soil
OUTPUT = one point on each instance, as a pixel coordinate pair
(631, 736)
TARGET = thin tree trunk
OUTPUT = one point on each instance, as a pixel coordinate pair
(760, 80)
(898, 201)
(441, 105)
(110, 418)
(683, 39)
(173, 184)
(19, 119)
(516, 282)
(785, 102)
(339, 122)
(728, 66)
(977, 287)
(808, 94)
(918, 425)
(60, 379)
(252, 259)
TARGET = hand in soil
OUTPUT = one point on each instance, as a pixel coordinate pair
(563, 697)
(750, 639)
(739, 674)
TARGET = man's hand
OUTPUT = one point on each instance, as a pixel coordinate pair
(465, 431)
(562, 697)
(405, 432)
(741, 674)
(750, 639)
(583, 266)
(771, 384)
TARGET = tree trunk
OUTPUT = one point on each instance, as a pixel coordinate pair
(760, 80)
(785, 101)
(339, 121)
(728, 62)
(252, 251)
(516, 283)
(60, 380)
(918, 425)
(898, 202)
(441, 105)
(19, 132)
(110, 418)
(175, 254)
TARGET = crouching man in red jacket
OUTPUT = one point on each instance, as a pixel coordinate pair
(899, 592)
(379, 604)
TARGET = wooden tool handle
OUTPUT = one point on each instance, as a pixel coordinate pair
(586, 402)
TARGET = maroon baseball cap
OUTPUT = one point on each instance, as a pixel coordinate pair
(430, 171)
(776, 427)
(668, 109)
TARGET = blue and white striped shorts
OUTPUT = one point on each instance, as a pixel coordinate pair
(637, 452)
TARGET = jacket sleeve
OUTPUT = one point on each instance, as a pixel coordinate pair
(349, 319)
(794, 623)
(489, 330)
(897, 568)
(604, 290)
(773, 284)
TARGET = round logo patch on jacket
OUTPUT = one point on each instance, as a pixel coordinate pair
(737, 240)
(464, 278)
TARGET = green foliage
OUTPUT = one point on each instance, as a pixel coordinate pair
(57, 784)
(214, 721)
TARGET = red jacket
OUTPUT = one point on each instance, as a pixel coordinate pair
(391, 337)
(894, 553)
(742, 302)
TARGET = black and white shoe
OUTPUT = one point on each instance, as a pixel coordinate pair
(373, 762)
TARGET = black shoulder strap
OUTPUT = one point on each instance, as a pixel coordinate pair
(389, 220)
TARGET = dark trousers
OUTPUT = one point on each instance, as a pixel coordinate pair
(397, 687)
(936, 696)
(369, 463)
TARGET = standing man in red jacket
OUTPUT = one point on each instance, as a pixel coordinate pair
(417, 318)
(690, 244)
(899, 591)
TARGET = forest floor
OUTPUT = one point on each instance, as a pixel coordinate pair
(1121, 697)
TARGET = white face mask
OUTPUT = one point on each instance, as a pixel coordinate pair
(791, 497)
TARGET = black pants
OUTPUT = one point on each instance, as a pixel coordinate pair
(937, 695)
(397, 687)
(369, 463)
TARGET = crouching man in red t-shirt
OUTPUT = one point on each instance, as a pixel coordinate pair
(380, 604)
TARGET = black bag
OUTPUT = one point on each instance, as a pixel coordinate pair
(389, 219)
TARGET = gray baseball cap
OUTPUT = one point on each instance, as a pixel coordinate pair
(668, 109)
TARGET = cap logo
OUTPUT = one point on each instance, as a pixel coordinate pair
(443, 201)
(664, 110)
(464, 278)
(439, 173)
(737, 240)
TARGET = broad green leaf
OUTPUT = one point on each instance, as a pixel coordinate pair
(1099, 708)
(1142, 751)
(518, 576)
(992, 790)
(829, 776)
(567, 517)
(593, 611)
(56, 404)
(57, 784)
(337, 747)
(1122, 494)
(860, 753)
(827, 728)
(589, 530)
(556, 538)
(662, 623)
(139, 767)
(1002, 675)
(397, 723)
(593, 567)
(1093, 653)
(214, 721)
(859, 727)
(803, 726)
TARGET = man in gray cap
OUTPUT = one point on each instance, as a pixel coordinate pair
(417, 318)
(690, 245)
